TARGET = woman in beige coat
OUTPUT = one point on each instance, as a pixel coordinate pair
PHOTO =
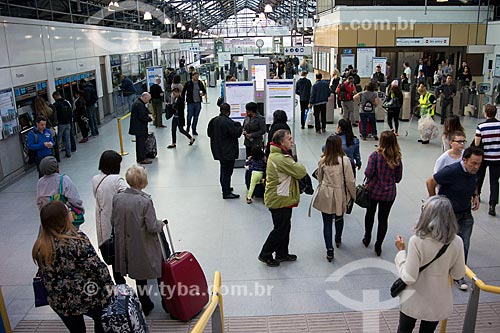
(136, 228)
(336, 188)
(428, 296)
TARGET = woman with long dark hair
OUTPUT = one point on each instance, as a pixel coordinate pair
(350, 144)
(68, 264)
(383, 172)
(336, 188)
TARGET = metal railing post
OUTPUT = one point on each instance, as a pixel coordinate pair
(120, 136)
(471, 312)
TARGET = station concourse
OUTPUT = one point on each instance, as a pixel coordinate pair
(226, 235)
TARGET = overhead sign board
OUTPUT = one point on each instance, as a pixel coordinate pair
(190, 46)
(298, 50)
(422, 41)
(276, 31)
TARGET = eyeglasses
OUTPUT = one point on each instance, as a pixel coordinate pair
(460, 141)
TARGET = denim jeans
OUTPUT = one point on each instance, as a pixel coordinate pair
(193, 113)
(130, 100)
(327, 228)
(364, 116)
(465, 223)
(91, 114)
(64, 131)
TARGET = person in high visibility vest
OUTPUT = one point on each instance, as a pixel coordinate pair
(426, 101)
(427, 104)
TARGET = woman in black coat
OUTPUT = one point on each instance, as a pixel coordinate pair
(279, 122)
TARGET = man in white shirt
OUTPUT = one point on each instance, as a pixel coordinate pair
(407, 71)
(457, 143)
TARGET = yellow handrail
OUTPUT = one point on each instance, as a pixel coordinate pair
(215, 302)
(122, 152)
(480, 284)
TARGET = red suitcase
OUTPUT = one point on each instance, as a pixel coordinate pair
(185, 289)
(368, 127)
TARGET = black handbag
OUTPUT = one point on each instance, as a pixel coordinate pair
(108, 250)
(39, 290)
(350, 203)
(362, 195)
(169, 112)
(399, 285)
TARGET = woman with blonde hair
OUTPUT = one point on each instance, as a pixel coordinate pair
(136, 228)
(383, 171)
(428, 295)
(68, 263)
(336, 188)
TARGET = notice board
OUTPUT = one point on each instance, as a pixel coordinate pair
(365, 62)
(237, 95)
(280, 96)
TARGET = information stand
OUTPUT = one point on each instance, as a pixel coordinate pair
(237, 95)
(280, 95)
(152, 73)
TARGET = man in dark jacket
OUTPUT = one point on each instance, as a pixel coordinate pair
(157, 100)
(90, 96)
(447, 91)
(303, 89)
(128, 91)
(224, 133)
(64, 114)
(320, 93)
(193, 91)
(139, 127)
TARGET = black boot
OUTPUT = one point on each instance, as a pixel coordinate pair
(492, 211)
(329, 254)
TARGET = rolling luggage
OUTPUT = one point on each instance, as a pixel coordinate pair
(184, 283)
(151, 150)
(124, 312)
(368, 128)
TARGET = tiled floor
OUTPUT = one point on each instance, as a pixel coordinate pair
(227, 235)
(340, 322)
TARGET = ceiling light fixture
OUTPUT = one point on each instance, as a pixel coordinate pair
(190, 29)
(147, 16)
(183, 28)
(262, 16)
(167, 20)
(110, 7)
(195, 31)
(268, 9)
(116, 4)
(179, 24)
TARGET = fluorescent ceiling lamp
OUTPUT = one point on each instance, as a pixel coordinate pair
(179, 24)
(147, 16)
(441, 0)
(268, 9)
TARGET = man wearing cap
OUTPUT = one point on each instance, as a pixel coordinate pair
(50, 183)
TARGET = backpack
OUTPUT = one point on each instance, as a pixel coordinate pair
(343, 95)
(367, 107)
(78, 217)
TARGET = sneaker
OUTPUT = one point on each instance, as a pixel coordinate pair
(461, 284)
(249, 200)
(269, 262)
(288, 257)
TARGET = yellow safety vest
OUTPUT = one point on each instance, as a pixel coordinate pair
(426, 105)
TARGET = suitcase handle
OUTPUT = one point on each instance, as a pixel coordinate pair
(169, 235)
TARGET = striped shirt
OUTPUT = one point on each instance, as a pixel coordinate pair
(489, 133)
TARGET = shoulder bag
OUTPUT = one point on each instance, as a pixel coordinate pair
(399, 285)
(350, 203)
(108, 247)
(39, 290)
(78, 217)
